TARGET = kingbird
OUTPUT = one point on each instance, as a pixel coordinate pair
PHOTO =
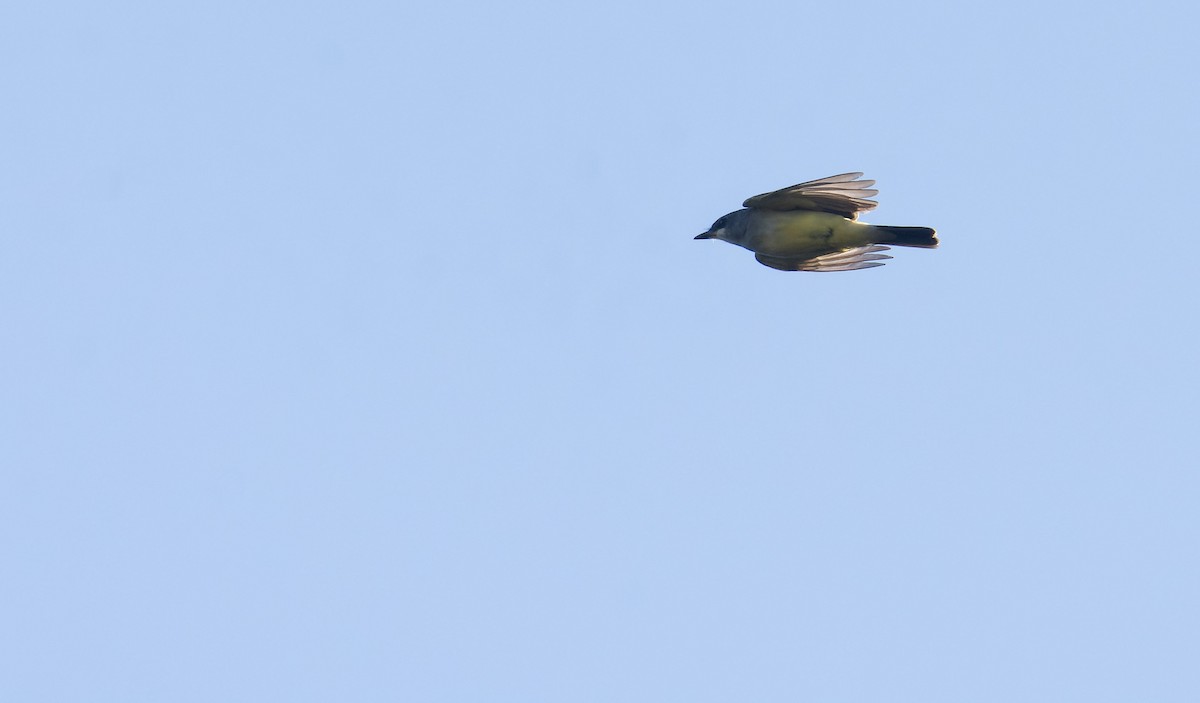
(812, 226)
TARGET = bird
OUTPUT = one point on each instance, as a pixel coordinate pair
(813, 226)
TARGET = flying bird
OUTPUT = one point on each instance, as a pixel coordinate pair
(813, 226)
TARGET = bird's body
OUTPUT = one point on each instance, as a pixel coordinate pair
(795, 233)
(812, 227)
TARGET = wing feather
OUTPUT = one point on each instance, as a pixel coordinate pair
(845, 260)
(842, 194)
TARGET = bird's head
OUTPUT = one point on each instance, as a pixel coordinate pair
(727, 227)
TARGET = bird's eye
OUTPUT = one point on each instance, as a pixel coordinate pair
(719, 223)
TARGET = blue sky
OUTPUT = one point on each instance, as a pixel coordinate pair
(362, 351)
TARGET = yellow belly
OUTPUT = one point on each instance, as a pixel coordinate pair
(802, 233)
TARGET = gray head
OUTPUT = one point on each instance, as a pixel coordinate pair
(730, 228)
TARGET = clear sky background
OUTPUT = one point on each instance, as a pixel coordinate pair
(362, 352)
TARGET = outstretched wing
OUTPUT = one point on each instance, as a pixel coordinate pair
(843, 195)
(845, 260)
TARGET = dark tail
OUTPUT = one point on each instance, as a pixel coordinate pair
(909, 236)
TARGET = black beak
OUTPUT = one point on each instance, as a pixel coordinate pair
(704, 235)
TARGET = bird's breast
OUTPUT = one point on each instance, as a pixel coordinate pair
(803, 233)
